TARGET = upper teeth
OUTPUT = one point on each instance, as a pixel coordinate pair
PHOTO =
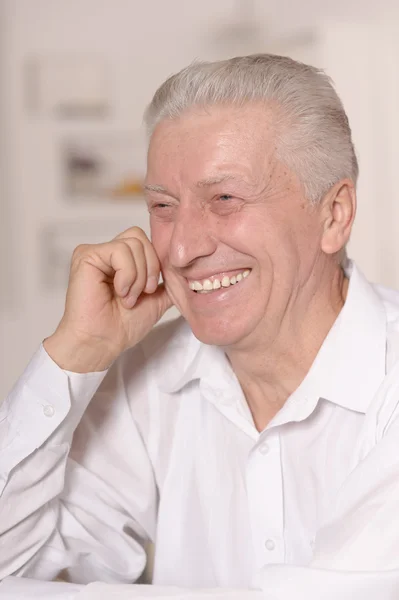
(208, 285)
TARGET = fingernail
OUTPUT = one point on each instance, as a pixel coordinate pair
(125, 291)
(152, 284)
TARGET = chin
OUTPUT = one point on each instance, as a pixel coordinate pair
(218, 333)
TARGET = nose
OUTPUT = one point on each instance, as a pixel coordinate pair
(192, 237)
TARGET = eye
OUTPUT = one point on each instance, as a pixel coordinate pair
(163, 211)
(158, 206)
(225, 197)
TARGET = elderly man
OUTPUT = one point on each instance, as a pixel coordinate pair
(254, 441)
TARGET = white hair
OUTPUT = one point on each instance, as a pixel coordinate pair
(313, 134)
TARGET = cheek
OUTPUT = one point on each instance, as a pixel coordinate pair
(160, 237)
(253, 235)
(273, 244)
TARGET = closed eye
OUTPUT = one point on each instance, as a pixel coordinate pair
(157, 205)
(226, 204)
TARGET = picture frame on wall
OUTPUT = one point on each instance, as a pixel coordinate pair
(58, 239)
(68, 86)
(105, 168)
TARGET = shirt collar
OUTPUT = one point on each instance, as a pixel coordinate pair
(351, 364)
(186, 359)
(348, 368)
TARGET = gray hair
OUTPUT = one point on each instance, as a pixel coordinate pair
(313, 133)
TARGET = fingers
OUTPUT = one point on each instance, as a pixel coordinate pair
(152, 262)
(164, 300)
(129, 261)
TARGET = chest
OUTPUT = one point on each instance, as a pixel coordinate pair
(232, 501)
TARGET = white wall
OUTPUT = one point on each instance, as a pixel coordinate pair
(143, 42)
(362, 58)
(139, 55)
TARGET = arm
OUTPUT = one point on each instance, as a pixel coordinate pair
(356, 554)
(83, 512)
(87, 514)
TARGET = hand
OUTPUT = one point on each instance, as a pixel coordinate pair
(113, 301)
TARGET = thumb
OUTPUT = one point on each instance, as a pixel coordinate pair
(162, 300)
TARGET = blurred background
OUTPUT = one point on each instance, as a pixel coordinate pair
(75, 77)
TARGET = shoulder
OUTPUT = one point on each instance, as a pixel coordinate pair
(390, 300)
(385, 408)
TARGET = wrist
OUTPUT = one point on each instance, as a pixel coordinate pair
(77, 356)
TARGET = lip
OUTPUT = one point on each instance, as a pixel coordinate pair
(218, 275)
(228, 294)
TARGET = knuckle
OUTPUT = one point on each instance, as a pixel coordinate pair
(80, 249)
(134, 231)
(119, 246)
(80, 252)
(134, 245)
(137, 230)
(79, 257)
(123, 253)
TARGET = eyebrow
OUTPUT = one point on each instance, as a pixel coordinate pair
(203, 183)
(209, 181)
(159, 189)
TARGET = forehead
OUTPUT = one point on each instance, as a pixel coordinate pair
(203, 139)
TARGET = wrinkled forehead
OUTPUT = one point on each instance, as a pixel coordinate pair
(211, 138)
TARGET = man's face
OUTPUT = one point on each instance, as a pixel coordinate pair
(222, 207)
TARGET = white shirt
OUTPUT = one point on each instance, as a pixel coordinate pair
(167, 451)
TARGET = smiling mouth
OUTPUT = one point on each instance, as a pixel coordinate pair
(207, 286)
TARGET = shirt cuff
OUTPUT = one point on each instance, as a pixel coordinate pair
(37, 405)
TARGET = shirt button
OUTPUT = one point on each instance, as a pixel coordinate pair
(270, 545)
(48, 410)
(264, 448)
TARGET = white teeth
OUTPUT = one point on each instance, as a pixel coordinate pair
(216, 284)
(208, 286)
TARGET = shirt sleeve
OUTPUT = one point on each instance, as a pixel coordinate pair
(39, 402)
(77, 488)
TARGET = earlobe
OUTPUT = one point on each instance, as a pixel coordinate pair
(340, 210)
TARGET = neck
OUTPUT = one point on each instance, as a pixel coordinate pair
(270, 370)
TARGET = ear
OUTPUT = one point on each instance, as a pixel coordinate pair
(338, 213)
